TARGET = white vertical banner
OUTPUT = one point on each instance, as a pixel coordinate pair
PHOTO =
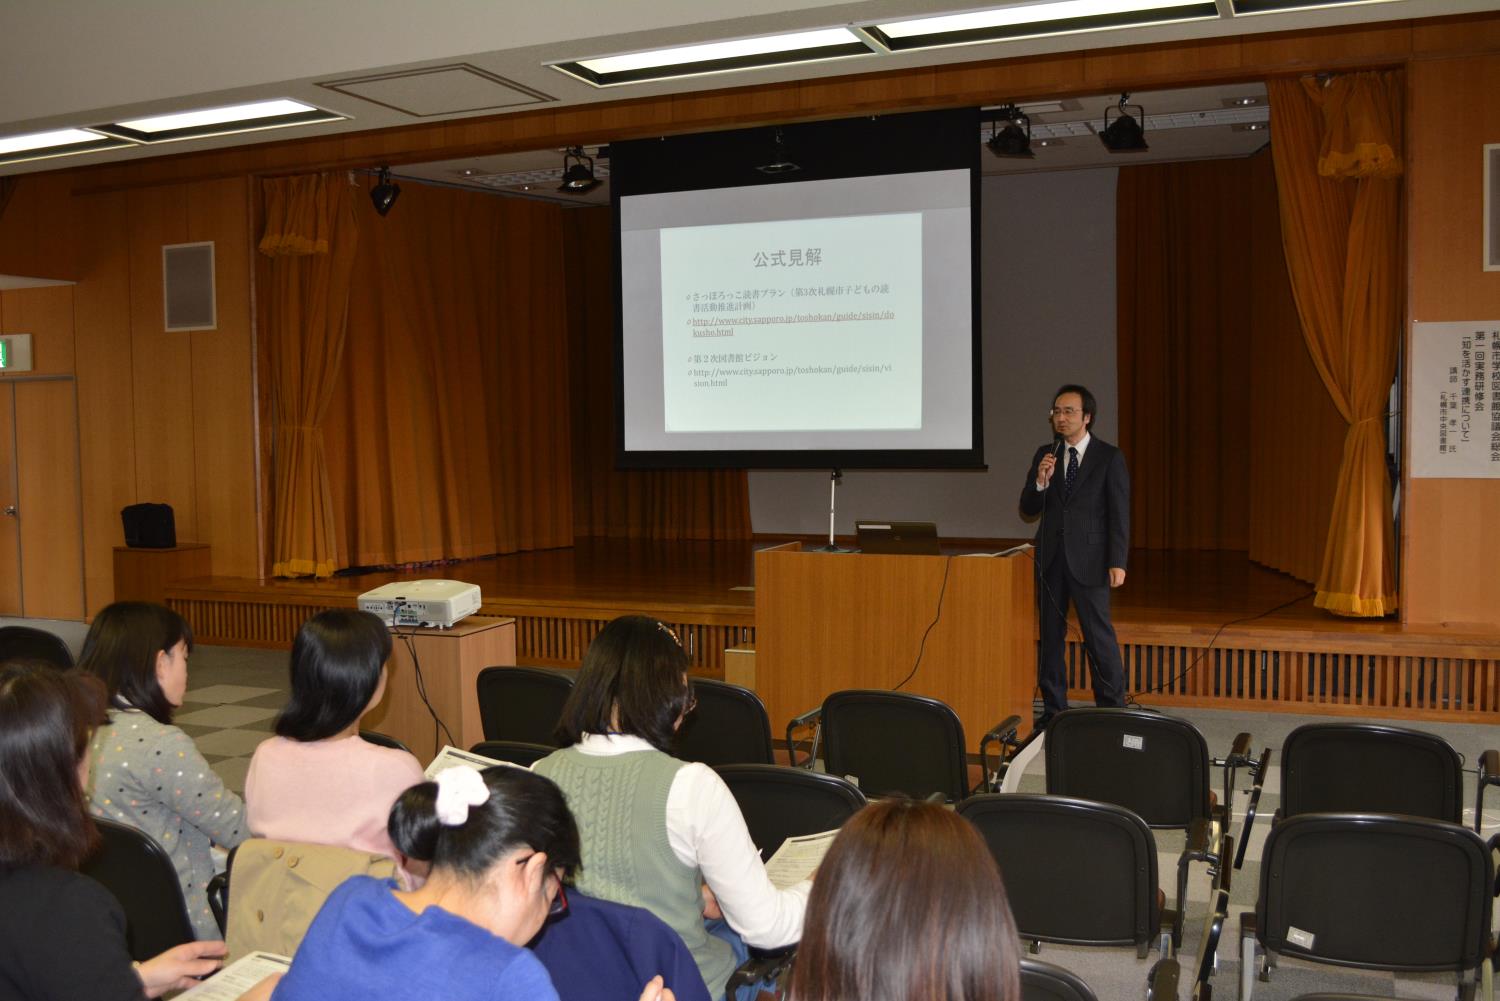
(1454, 410)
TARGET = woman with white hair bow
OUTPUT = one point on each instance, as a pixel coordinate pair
(501, 843)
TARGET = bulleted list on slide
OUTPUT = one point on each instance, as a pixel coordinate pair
(801, 325)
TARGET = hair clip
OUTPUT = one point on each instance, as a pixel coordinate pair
(668, 630)
(459, 788)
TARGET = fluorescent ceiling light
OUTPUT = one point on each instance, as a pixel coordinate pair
(717, 57)
(1032, 19)
(45, 140)
(1242, 7)
(217, 116)
(222, 121)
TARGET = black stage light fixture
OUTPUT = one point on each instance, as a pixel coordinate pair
(385, 193)
(1013, 140)
(1127, 133)
(779, 163)
(578, 172)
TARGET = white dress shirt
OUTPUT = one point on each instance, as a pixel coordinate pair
(1061, 468)
(707, 832)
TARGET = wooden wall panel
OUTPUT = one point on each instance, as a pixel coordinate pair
(1450, 528)
(223, 392)
(162, 364)
(47, 468)
(10, 536)
(47, 315)
(106, 398)
(31, 242)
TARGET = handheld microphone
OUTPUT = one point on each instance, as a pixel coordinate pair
(1057, 446)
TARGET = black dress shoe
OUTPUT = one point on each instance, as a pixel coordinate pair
(1042, 721)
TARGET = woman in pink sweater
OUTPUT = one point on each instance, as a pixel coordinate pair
(317, 780)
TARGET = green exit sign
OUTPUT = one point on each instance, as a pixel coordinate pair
(15, 352)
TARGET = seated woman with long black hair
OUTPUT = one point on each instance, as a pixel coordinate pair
(62, 935)
(501, 842)
(656, 830)
(908, 904)
(146, 772)
(316, 780)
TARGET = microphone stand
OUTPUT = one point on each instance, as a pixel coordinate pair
(834, 478)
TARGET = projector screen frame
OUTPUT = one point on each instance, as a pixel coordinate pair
(829, 150)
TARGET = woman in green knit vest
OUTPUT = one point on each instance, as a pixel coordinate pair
(657, 832)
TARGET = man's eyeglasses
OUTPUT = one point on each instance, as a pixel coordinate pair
(1065, 411)
(559, 903)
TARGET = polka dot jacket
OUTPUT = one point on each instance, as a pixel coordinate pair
(150, 775)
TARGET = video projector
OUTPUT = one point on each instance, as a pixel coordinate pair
(435, 603)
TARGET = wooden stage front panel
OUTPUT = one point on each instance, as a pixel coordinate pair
(1205, 629)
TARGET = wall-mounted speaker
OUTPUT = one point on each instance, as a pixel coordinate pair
(187, 272)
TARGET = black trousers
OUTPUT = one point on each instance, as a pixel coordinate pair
(1055, 589)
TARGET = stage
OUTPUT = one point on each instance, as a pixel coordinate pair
(1204, 629)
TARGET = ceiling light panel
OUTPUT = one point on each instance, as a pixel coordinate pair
(717, 57)
(1034, 19)
(219, 121)
(58, 142)
(1273, 6)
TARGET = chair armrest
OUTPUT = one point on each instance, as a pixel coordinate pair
(1202, 846)
(1003, 733)
(1161, 982)
(813, 717)
(1240, 755)
(1489, 774)
(218, 900)
(1260, 769)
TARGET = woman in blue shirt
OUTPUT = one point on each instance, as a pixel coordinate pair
(501, 843)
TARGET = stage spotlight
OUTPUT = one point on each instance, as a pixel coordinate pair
(384, 194)
(1014, 140)
(1127, 133)
(578, 172)
(779, 163)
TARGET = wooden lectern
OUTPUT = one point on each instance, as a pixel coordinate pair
(451, 660)
(829, 621)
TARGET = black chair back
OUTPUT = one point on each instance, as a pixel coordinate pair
(729, 727)
(1154, 765)
(1370, 768)
(27, 643)
(1375, 891)
(517, 752)
(1075, 871)
(383, 740)
(140, 874)
(779, 803)
(522, 703)
(1044, 982)
(895, 743)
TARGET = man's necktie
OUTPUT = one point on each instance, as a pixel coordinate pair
(1072, 471)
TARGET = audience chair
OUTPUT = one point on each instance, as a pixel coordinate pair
(729, 727)
(1370, 768)
(383, 740)
(522, 703)
(894, 743)
(1156, 765)
(1044, 982)
(27, 643)
(140, 874)
(1372, 892)
(517, 752)
(780, 803)
(1076, 871)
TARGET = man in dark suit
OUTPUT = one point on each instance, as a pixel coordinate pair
(1081, 489)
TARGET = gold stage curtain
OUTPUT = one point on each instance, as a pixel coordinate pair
(311, 235)
(676, 504)
(1337, 150)
(449, 427)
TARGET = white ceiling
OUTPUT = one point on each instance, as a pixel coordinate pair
(80, 62)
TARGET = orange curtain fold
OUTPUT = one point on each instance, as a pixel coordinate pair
(450, 428)
(634, 504)
(311, 235)
(1337, 152)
